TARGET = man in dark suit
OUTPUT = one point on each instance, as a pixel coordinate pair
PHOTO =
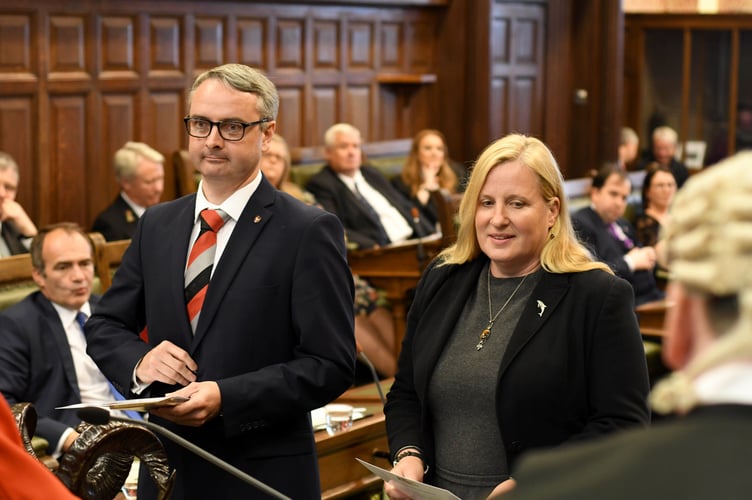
(664, 141)
(373, 212)
(704, 450)
(16, 227)
(611, 238)
(273, 338)
(139, 171)
(43, 356)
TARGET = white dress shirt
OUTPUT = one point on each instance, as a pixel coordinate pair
(396, 227)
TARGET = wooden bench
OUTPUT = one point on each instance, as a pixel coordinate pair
(108, 255)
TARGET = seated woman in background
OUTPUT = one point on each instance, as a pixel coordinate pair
(275, 165)
(374, 325)
(427, 169)
(658, 190)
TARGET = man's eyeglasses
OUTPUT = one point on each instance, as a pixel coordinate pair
(229, 130)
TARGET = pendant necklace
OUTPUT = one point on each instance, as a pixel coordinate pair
(491, 319)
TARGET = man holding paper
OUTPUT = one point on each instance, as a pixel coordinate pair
(248, 300)
(43, 356)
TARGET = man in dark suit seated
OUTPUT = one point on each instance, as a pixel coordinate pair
(611, 238)
(16, 228)
(43, 356)
(373, 212)
(703, 451)
(139, 171)
(664, 142)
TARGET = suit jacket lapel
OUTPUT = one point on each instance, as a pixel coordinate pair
(253, 219)
(176, 238)
(545, 299)
(55, 328)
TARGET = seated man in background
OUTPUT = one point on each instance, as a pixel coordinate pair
(139, 171)
(374, 323)
(611, 238)
(662, 151)
(373, 212)
(43, 356)
(703, 451)
(16, 228)
(629, 148)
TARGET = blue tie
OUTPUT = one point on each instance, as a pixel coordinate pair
(81, 320)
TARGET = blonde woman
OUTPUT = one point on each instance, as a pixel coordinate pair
(704, 451)
(517, 339)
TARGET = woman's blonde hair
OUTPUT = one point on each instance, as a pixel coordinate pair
(412, 174)
(562, 253)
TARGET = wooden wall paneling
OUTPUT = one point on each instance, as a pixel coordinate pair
(452, 97)
(528, 70)
(557, 110)
(16, 138)
(110, 72)
(506, 59)
(167, 109)
(67, 127)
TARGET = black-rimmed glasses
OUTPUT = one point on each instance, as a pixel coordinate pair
(229, 130)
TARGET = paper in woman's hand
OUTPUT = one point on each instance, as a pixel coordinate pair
(416, 489)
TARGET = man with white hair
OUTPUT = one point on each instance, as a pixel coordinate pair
(663, 151)
(16, 227)
(703, 450)
(139, 171)
(373, 212)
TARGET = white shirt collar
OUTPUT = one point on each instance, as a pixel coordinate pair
(728, 383)
(232, 206)
(68, 316)
(137, 209)
(351, 180)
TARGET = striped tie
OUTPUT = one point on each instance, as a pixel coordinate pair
(201, 261)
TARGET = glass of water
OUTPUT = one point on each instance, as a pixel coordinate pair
(339, 418)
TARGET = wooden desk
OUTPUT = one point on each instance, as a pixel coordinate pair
(651, 317)
(341, 475)
(395, 269)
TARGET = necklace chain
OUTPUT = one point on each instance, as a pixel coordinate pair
(492, 319)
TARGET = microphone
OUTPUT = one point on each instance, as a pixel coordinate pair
(364, 359)
(100, 416)
(419, 251)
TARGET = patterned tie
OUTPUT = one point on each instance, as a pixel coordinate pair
(618, 233)
(81, 320)
(201, 262)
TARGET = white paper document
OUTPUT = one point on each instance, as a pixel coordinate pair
(140, 404)
(416, 489)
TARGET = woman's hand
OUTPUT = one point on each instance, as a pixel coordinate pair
(502, 488)
(409, 467)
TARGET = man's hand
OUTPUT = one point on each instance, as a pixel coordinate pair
(167, 363)
(14, 214)
(643, 258)
(69, 440)
(204, 404)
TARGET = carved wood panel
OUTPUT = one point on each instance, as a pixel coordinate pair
(77, 83)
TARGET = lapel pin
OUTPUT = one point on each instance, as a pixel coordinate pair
(541, 308)
(257, 219)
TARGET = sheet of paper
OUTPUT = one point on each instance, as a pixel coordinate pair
(416, 490)
(140, 404)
